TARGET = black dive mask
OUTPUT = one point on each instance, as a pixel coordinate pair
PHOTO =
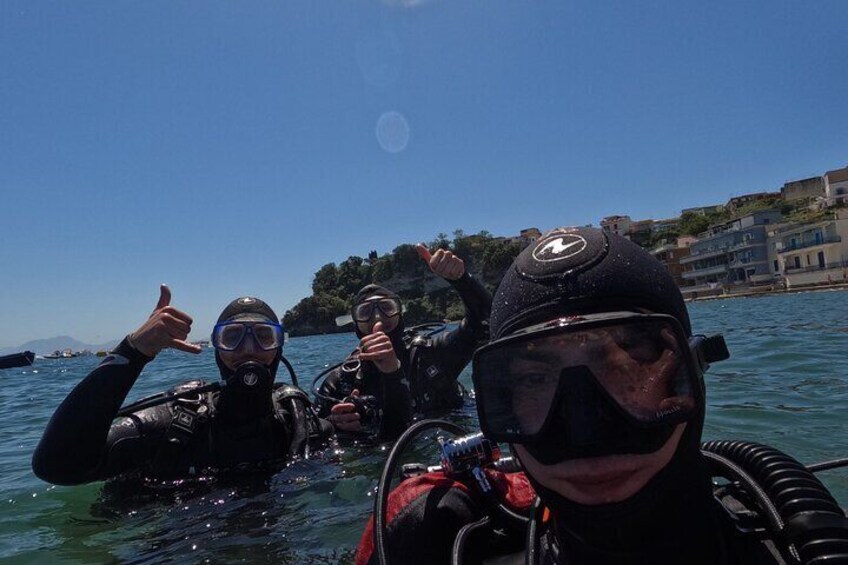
(250, 376)
(588, 422)
(588, 386)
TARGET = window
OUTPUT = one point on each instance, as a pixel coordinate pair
(797, 262)
(776, 269)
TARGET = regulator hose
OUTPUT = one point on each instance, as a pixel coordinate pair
(812, 524)
(381, 500)
(459, 543)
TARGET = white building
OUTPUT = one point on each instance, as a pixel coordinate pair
(619, 225)
(836, 187)
(813, 253)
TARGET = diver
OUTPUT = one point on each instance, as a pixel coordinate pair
(396, 373)
(244, 422)
(595, 380)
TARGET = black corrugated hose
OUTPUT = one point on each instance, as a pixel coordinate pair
(812, 521)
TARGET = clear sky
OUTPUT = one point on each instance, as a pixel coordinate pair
(232, 148)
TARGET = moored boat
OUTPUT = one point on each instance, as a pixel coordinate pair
(17, 360)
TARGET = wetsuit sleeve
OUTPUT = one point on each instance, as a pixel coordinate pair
(424, 515)
(74, 447)
(455, 348)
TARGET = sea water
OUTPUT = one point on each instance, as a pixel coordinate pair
(785, 385)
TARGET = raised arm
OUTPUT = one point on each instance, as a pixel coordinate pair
(75, 445)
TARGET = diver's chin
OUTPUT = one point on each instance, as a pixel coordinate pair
(607, 479)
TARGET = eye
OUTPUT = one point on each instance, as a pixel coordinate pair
(264, 334)
(231, 335)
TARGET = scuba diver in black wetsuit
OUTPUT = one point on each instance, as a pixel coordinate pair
(594, 378)
(245, 422)
(395, 372)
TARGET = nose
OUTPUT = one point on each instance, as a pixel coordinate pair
(249, 343)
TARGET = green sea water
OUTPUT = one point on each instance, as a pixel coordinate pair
(786, 385)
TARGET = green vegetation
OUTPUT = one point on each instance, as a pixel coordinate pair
(426, 296)
(693, 224)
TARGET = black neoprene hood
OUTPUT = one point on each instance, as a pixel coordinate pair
(582, 270)
(248, 309)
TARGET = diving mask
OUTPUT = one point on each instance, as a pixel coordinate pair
(587, 386)
(228, 336)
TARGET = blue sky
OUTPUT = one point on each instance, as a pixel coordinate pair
(232, 148)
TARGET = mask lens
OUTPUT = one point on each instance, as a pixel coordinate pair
(267, 336)
(389, 307)
(362, 312)
(228, 336)
(640, 366)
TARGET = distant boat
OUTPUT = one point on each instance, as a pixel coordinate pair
(65, 354)
(17, 360)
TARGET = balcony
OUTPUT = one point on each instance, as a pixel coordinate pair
(813, 243)
(811, 268)
(741, 263)
(716, 270)
(705, 255)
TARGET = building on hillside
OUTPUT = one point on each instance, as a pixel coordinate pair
(730, 254)
(668, 224)
(806, 188)
(669, 253)
(814, 253)
(524, 238)
(686, 240)
(703, 210)
(735, 203)
(619, 225)
(836, 187)
(529, 235)
(641, 232)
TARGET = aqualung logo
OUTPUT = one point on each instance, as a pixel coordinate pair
(250, 379)
(559, 247)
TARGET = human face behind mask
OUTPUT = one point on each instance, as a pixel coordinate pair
(601, 480)
(576, 387)
(253, 343)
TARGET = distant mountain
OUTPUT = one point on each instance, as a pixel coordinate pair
(43, 346)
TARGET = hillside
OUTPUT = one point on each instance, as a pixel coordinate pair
(425, 296)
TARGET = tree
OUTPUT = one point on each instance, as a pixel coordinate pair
(406, 260)
(441, 242)
(326, 279)
(381, 270)
(353, 275)
(693, 224)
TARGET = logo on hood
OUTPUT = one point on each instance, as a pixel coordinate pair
(560, 247)
(247, 301)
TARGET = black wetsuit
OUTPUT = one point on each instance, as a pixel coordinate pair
(430, 365)
(83, 442)
(425, 513)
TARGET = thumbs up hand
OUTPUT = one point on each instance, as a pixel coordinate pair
(443, 262)
(166, 327)
(377, 348)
